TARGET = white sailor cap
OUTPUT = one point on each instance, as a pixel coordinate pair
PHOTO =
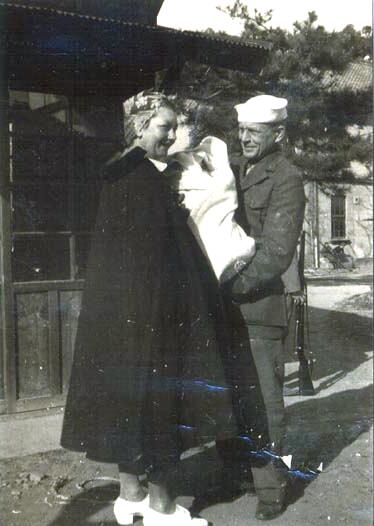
(262, 109)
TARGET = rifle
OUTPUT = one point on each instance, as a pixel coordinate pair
(305, 366)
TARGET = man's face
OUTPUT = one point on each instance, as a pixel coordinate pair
(257, 140)
(157, 137)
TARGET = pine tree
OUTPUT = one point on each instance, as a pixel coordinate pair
(302, 66)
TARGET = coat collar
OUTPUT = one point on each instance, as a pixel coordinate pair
(260, 171)
(122, 164)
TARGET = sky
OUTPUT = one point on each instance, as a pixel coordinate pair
(201, 14)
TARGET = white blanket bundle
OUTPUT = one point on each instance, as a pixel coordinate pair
(209, 190)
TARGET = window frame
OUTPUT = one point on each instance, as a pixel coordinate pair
(338, 216)
(73, 232)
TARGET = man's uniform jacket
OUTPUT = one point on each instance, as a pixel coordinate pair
(271, 209)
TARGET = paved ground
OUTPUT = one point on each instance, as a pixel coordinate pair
(333, 427)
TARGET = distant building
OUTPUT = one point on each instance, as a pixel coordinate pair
(342, 216)
(341, 213)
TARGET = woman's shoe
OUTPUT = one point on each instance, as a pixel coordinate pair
(126, 510)
(181, 517)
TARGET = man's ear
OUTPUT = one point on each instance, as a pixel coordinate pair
(280, 133)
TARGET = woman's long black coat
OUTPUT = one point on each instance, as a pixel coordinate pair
(147, 371)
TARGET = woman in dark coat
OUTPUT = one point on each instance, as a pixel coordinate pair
(147, 380)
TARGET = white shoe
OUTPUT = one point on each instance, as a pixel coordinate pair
(126, 510)
(181, 517)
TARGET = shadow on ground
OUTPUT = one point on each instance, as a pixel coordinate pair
(338, 343)
(80, 510)
(319, 428)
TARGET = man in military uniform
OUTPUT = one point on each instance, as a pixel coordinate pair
(271, 209)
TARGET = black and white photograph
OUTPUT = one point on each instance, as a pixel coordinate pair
(186, 263)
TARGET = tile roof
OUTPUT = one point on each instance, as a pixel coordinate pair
(358, 76)
(228, 40)
(144, 11)
(63, 50)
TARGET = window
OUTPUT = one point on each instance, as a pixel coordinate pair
(57, 147)
(338, 216)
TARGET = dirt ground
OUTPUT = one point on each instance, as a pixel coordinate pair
(331, 430)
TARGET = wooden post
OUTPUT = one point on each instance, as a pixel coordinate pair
(317, 237)
(6, 282)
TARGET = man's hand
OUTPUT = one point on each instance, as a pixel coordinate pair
(298, 297)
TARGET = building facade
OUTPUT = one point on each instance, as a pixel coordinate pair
(339, 215)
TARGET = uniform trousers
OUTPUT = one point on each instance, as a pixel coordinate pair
(269, 477)
(268, 356)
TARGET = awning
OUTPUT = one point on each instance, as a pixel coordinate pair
(51, 50)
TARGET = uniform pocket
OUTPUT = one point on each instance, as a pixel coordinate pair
(258, 202)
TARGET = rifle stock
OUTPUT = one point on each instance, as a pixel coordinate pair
(305, 366)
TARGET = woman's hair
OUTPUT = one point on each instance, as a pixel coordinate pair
(139, 110)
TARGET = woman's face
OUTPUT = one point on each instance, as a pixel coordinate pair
(159, 134)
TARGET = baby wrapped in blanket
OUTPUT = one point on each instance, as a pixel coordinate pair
(208, 186)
